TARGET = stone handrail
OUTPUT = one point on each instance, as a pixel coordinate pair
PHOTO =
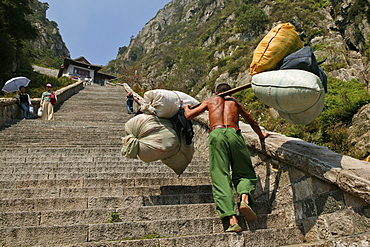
(9, 109)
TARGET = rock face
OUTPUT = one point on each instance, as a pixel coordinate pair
(50, 37)
(360, 131)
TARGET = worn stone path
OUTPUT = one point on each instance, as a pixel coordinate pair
(65, 183)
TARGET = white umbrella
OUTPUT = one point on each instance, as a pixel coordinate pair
(14, 84)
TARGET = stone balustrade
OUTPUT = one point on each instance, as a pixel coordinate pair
(10, 110)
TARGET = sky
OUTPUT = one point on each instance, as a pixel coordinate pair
(95, 29)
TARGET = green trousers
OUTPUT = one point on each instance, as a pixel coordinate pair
(227, 149)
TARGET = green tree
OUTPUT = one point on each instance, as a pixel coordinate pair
(122, 49)
(136, 54)
(15, 28)
(251, 19)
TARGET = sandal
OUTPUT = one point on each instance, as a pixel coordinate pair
(234, 228)
(247, 211)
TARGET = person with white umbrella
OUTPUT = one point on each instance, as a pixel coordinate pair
(20, 83)
(13, 84)
(24, 102)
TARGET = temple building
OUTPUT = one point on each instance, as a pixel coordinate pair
(80, 68)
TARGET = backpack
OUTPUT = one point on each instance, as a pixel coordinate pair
(304, 59)
(184, 126)
(53, 100)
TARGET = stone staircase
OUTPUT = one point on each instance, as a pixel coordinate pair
(65, 183)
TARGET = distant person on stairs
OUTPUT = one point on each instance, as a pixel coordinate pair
(47, 106)
(227, 149)
(130, 102)
(24, 102)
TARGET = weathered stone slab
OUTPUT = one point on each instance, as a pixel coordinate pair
(32, 236)
(9, 219)
(19, 205)
(136, 230)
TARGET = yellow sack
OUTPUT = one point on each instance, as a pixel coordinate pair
(281, 41)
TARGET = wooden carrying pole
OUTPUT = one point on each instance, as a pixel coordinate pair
(228, 92)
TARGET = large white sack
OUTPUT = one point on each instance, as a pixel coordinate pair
(181, 160)
(164, 103)
(307, 116)
(289, 91)
(150, 138)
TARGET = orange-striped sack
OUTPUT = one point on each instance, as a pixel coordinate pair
(281, 41)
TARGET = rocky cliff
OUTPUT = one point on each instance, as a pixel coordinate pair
(49, 45)
(191, 45)
(337, 30)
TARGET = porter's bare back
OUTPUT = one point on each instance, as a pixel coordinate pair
(224, 111)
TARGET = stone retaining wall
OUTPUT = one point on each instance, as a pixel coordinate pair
(325, 194)
(10, 110)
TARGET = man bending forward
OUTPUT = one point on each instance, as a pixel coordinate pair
(227, 149)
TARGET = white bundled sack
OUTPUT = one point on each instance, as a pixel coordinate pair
(150, 138)
(39, 112)
(297, 95)
(307, 116)
(164, 103)
(181, 160)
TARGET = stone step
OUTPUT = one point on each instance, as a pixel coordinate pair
(128, 214)
(102, 172)
(25, 157)
(128, 164)
(77, 119)
(75, 183)
(55, 129)
(107, 201)
(61, 139)
(67, 145)
(197, 232)
(98, 175)
(55, 168)
(39, 125)
(65, 134)
(94, 167)
(34, 193)
(46, 159)
(94, 216)
(50, 158)
(82, 203)
(62, 151)
(259, 238)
